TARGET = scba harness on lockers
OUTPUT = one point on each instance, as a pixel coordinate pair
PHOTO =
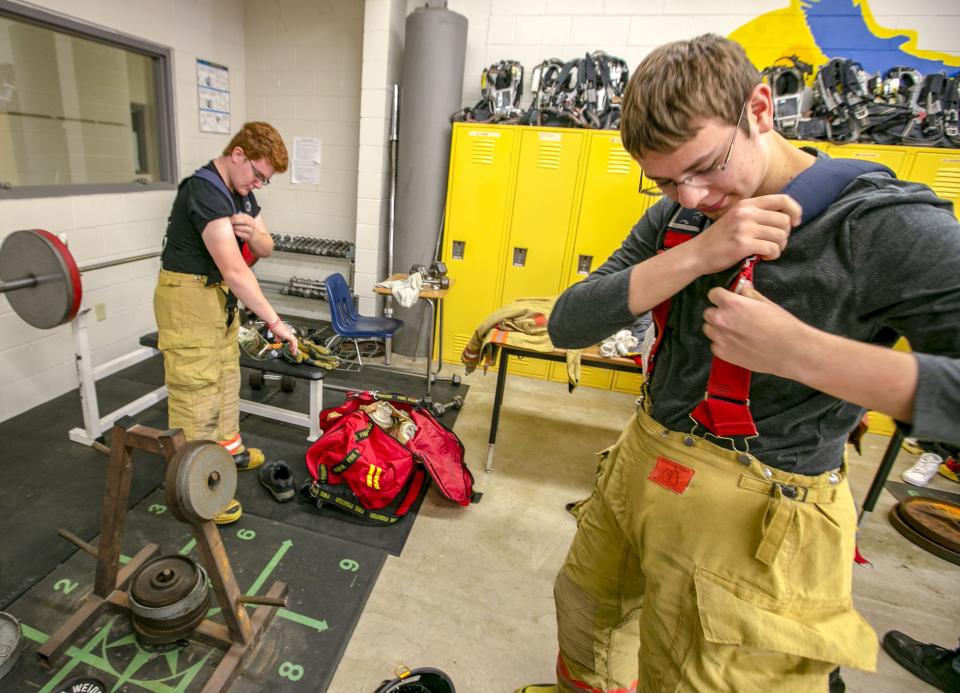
(791, 96)
(585, 92)
(847, 104)
(724, 410)
(501, 86)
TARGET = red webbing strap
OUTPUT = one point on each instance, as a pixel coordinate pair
(671, 239)
(725, 409)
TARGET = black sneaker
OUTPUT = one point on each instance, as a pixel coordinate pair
(936, 665)
(837, 684)
(277, 478)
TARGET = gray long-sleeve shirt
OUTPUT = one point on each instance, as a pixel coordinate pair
(880, 262)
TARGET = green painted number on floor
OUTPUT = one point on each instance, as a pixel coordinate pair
(246, 534)
(157, 509)
(289, 670)
(349, 564)
(65, 586)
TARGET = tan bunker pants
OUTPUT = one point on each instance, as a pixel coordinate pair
(695, 568)
(201, 356)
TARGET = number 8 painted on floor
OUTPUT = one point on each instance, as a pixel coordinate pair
(289, 670)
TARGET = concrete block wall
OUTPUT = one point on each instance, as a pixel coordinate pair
(383, 31)
(533, 30)
(38, 365)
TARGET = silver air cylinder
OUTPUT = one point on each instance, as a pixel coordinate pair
(431, 89)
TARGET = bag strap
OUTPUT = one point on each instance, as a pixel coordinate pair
(340, 496)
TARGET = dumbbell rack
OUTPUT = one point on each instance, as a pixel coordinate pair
(307, 289)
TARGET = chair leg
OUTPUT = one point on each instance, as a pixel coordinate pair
(356, 345)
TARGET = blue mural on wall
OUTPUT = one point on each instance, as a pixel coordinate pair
(840, 30)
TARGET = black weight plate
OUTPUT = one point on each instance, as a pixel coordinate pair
(55, 299)
(164, 580)
(82, 684)
(937, 520)
(926, 544)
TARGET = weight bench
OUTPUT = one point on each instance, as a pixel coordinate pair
(312, 374)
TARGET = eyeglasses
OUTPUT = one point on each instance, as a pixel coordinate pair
(698, 180)
(262, 179)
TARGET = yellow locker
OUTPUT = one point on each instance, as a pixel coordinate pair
(897, 159)
(611, 205)
(941, 171)
(543, 206)
(478, 197)
(627, 382)
(590, 376)
(529, 367)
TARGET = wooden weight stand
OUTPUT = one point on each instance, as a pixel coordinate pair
(241, 634)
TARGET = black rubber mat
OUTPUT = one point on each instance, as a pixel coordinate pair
(328, 580)
(48, 482)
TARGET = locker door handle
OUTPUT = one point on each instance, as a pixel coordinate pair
(458, 248)
(519, 257)
(584, 263)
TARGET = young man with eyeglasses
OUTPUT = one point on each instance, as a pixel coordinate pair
(203, 274)
(715, 552)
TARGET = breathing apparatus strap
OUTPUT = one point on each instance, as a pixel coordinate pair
(725, 408)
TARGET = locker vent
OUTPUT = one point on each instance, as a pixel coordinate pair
(618, 161)
(460, 342)
(947, 182)
(548, 155)
(483, 150)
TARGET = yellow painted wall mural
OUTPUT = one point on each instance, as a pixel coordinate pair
(817, 30)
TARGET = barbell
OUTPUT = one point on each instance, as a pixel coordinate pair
(42, 280)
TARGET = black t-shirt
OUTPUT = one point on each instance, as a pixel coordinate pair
(198, 203)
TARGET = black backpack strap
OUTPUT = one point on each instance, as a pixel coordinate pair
(339, 496)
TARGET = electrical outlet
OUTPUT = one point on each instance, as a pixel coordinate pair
(101, 311)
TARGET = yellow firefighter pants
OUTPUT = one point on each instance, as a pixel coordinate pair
(201, 356)
(695, 568)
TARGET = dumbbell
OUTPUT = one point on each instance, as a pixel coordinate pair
(440, 408)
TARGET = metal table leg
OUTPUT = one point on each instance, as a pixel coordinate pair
(497, 401)
(433, 317)
(883, 471)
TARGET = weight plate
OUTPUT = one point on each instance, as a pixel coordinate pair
(82, 684)
(926, 544)
(164, 580)
(11, 642)
(937, 520)
(55, 299)
(201, 479)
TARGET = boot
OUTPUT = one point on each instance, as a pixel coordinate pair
(248, 458)
(229, 514)
(936, 665)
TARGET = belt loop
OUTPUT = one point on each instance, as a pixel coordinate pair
(775, 531)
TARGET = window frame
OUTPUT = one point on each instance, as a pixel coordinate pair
(162, 59)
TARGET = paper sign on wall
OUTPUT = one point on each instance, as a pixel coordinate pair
(306, 161)
(213, 87)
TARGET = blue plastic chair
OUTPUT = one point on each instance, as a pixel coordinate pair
(347, 322)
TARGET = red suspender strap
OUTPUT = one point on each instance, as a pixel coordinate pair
(725, 408)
